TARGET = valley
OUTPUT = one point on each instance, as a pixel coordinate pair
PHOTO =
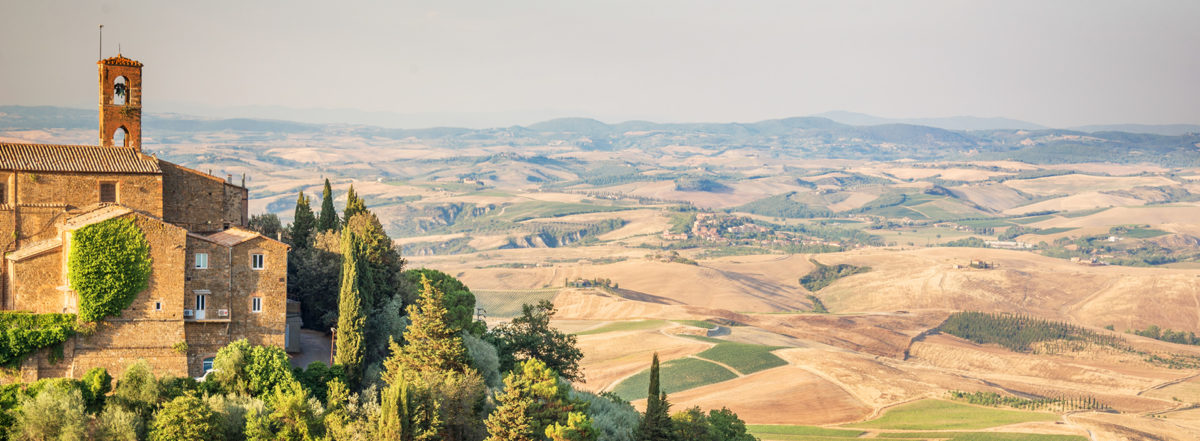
(701, 235)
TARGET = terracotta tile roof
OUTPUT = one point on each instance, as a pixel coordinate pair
(34, 249)
(120, 60)
(75, 158)
(99, 214)
(232, 236)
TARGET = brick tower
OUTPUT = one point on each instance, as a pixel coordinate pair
(120, 102)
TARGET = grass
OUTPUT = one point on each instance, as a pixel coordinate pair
(746, 358)
(675, 376)
(1032, 219)
(1143, 233)
(986, 223)
(1055, 230)
(508, 303)
(696, 323)
(931, 414)
(702, 338)
(1082, 213)
(776, 429)
(980, 436)
(629, 325)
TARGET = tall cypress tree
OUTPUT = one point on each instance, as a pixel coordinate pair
(329, 218)
(351, 318)
(656, 424)
(354, 205)
(303, 223)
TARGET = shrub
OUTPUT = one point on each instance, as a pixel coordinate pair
(109, 266)
(55, 413)
(186, 418)
(119, 424)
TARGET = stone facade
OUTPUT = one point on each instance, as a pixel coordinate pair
(50, 191)
(212, 204)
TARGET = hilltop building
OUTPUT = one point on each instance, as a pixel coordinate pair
(212, 280)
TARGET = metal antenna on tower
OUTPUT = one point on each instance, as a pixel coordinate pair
(101, 51)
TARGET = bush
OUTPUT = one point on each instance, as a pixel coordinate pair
(825, 275)
(55, 413)
(119, 424)
(109, 266)
(186, 418)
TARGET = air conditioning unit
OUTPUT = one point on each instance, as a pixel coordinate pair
(187, 313)
(222, 313)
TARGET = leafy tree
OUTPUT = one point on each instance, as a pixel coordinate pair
(303, 223)
(293, 416)
(138, 390)
(354, 205)
(578, 428)
(233, 410)
(656, 423)
(116, 423)
(724, 425)
(457, 298)
(55, 413)
(242, 369)
(109, 266)
(316, 377)
(267, 224)
(351, 318)
(613, 418)
(314, 274)
(186, 418)
(530, 336)
(96, 385)
(484, 359)
(692, 425)
(329, 219)
(407, 413)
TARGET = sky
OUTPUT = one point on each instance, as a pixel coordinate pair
(477, 63)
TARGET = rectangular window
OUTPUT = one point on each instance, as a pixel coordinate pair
(3, 194)
(201, 260)
(208, 364)
(158, 306)
(257, 261)
(256, 304)
(200, 301)
(108, 192)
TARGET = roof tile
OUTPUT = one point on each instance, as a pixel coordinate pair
(75, 158)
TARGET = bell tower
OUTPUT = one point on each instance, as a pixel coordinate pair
(120, 103)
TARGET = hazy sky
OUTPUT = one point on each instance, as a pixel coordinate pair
(1059, 63)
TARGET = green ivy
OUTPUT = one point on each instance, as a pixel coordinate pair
(109, 266)
(21, 333)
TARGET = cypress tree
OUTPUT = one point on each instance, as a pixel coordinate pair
(656, 424)
(303, 223)
(351, 318)
(329, 218)
(354, 205)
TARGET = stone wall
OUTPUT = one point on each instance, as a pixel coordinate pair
(38, 278)
(200, 202)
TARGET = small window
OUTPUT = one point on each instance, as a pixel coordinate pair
(257, 261)
(208, 364)
(200, 301)
(256, 304)
(108, 192)
(3, 194)
(158, 306)
(201, 260)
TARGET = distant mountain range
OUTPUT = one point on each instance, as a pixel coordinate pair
(979, 123)
(808, 137)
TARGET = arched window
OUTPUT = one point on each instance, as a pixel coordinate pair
(121, 137)
(120, 91)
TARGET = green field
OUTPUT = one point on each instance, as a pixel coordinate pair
(979, 436)
(630, 325)
(1055, 230)
(746, 358)
(1032, 219)
(508, 303)
(931, 414)
(674, 376)
(696, 323)
(775, 431)
(1143, 233)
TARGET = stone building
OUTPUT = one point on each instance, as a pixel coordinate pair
(212, 280)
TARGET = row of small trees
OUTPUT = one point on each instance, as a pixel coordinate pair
(1059, 404)
(1019, 332)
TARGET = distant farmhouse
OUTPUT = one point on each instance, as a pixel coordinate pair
(211, 281)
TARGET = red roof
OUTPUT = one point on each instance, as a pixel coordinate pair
(75, 158)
